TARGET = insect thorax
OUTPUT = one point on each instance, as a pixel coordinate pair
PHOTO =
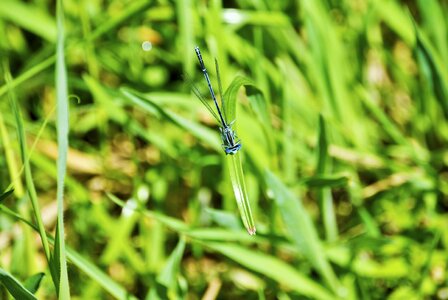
(229, 140)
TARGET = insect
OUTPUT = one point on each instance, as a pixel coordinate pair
(230, 142)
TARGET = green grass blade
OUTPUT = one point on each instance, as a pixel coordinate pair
(30, 17)
(89, 268)
(169, 222)
(301, 229)
(199, 131)
(433, 14)
(6, 194)
(395, 16)
(259, 118)
(224, 219)
(186, 30)
(59, 259)
(28, 74)
(11, 161)
(324, 193)
(231, 93)
(273, 268)
(136, 7)
(436, 73)
(234, 161)
(240, 191)
(17, 290)
(28, 176)
(387, 124)
(224, 235)
(168, 276)
(96, 274)
(322, 147)
(32, 283)
(329, 181)
(427, 266)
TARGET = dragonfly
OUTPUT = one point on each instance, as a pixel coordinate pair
(230, 142)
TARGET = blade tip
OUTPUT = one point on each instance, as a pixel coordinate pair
(251, 230)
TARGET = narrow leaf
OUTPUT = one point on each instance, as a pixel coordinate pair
(301, 229)
(231, 95)
(324, 195)
(199, 131)
(82, 263)
(32, 283)
(273, 268)
(17, 290)
(29, 16)
(98, 275)
(6, 195)
(234, 161)
(168, 276)
(432, 63)
(326, 181)
(59, 259)
(24, 155)
(240, 191)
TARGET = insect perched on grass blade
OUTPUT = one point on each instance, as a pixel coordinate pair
(230, 142)
(231, 146)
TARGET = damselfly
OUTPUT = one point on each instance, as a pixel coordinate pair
(230, 142)
(231, 145)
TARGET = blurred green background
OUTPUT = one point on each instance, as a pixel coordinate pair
(344, 138)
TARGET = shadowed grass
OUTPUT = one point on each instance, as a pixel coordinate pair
(16, 289)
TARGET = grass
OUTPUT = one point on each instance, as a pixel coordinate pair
(123, 191)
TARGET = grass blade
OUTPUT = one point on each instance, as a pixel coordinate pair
(6, 195)
(324, 193)
(24, 155)
(98, 275)
(28, 74)
(137, 7)
(328, 181)
(17, 290)
(11, 159)
(59, 260)
(234, 161)
(273, 268)
(201, 132)
(427, 265)
(83, 264)
(432, 66)
(169, 222)
(185, 18)
(301, 229)
(240, 191)
(30, 17)
(168, 276)
(32, 283)
(231, 93)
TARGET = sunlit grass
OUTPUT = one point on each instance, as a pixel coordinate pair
(341, 108)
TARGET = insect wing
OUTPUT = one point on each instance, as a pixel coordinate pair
(201, 97)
